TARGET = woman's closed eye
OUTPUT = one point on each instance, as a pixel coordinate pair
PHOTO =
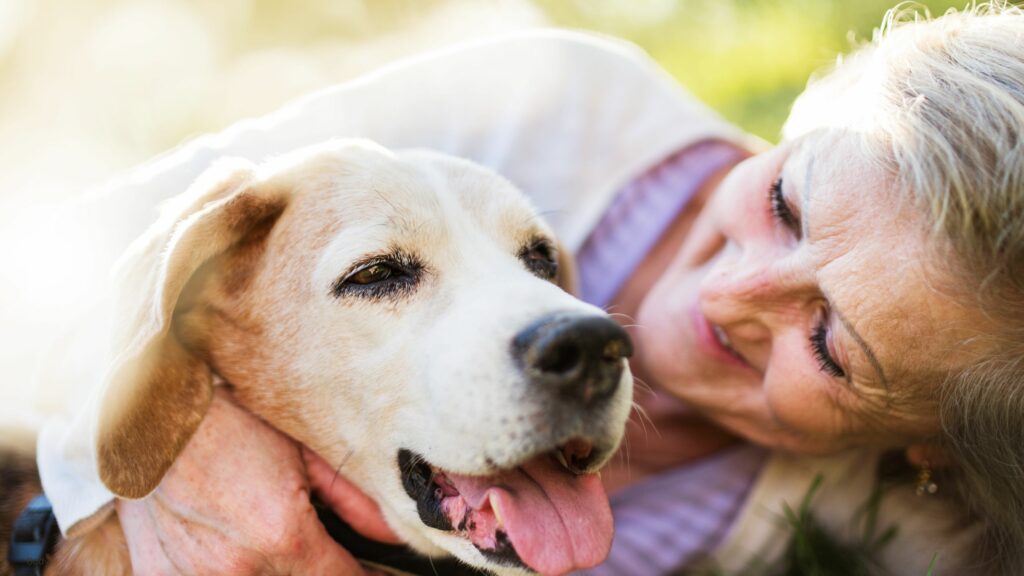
(819, 341)
(780, 208)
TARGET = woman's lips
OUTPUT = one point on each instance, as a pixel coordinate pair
(711, 345)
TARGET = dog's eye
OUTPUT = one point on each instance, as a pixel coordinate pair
(371, 274)
(541, 259)
(379, 278)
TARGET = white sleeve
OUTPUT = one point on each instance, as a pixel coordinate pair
(568, 117)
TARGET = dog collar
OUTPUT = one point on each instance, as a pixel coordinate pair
(33, 538)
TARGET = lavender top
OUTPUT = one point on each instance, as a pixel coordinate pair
(668, 522)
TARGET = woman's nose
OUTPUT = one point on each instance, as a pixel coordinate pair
(755, 282)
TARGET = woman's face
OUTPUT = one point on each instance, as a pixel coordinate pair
(800, 311)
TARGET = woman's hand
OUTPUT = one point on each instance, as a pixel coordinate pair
(236, 501)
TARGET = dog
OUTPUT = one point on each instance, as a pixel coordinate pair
(404, 313)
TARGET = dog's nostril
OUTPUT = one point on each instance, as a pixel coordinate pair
(578, 355)
(560, 358)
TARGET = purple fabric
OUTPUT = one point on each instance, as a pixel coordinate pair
(640, 213)
(670, 521)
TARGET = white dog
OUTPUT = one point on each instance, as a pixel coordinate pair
(397, 312)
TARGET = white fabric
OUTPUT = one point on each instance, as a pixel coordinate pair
(568, 117)
(926, 526)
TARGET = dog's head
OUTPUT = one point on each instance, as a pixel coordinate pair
(400, 314)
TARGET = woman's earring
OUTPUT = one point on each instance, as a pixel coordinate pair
(925, 485)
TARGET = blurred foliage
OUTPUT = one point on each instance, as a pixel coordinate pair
(749, 59)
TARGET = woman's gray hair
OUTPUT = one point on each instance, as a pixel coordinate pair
(939, 103)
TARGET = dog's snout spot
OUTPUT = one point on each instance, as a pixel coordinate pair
(418, 482)
(579, 356)
(616, 350)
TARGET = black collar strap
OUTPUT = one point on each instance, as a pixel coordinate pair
(33, 538)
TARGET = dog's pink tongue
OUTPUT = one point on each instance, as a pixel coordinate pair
(557, 522)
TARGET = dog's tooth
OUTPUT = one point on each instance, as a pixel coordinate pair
(560, 456)
(493, 499)
(723, 338)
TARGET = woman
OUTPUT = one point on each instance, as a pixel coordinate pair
(856, 290)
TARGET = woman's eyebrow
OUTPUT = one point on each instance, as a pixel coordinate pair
(861, 342)
(805, 200)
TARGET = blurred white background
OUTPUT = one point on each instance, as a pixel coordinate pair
(89, 88)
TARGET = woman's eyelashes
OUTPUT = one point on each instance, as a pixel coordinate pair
(780, 209)
(820, 349)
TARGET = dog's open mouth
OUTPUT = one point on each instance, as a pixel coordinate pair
(541, 515)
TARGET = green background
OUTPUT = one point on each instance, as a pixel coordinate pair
(749, 59)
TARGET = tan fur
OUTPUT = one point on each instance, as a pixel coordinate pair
(102, 550)
(160, 393)
(566, 271)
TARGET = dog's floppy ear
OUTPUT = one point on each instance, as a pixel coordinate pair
(566, 278)
(157, 391)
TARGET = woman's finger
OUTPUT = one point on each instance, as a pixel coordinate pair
(321, 554)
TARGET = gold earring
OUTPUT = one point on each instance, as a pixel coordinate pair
(925, 485)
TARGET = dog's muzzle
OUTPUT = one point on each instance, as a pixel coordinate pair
(541, 507)
(579, 356)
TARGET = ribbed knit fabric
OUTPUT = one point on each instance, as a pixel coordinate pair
(640, 213)
(677, 518)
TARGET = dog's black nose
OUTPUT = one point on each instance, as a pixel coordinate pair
(578, 355)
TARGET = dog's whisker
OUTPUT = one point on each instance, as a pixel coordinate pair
(551, 211)
(337, 471)
(416, 230)
(397, 218)
(384, 199)
(644, 417)
(624, 457)
(642, 413)
(529, 219)
(638, 420)
(644, 386)
(625, 320)
(416, 460)
(538, 215)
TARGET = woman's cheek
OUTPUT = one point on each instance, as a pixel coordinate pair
(808, 419)
(658, 352)
(664, 340)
